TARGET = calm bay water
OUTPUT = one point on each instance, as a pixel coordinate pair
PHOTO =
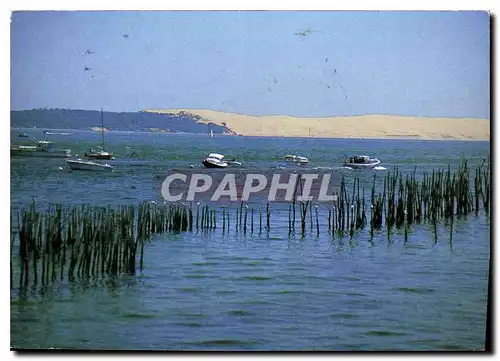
(208, 291)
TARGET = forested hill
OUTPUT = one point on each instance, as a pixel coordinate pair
(136, 121)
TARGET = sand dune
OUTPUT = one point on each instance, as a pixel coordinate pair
(98, 129)
(366, 126)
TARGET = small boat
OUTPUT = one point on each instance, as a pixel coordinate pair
(23, 135)
(215, 160)
(101, 153)
(82, 164)
(43, 148)
(55, 133)
(232, 161)
(361, 161)
(296, 159)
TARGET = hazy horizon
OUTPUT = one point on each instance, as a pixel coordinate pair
(229, 112)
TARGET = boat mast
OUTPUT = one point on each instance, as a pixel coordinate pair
(102, 131)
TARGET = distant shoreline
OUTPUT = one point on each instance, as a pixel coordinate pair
(202, 122)
(393, 137)
(348, 127)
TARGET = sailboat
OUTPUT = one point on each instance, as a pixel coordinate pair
(101, 153)
(211, 133)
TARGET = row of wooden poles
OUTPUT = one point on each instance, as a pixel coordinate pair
(441, 195)
(404, 201)
(79, 241)
(90, 241)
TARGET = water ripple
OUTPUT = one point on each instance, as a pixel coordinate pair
(205, 291)
(422, 290)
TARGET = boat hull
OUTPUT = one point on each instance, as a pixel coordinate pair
(209, 164)
(100, 156)
(88, 166)
(362, 165)
(16, 152)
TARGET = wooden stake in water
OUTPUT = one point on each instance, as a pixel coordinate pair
(268, 217)
(317, 220)
(251, 227)
(260, 221)
(245, 225)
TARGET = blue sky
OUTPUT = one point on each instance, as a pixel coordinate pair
(252, 62)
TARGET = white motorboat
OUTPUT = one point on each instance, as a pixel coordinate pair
(81, 164)
(361, 162)
(296, 159)
(43, 148)
(215, 160)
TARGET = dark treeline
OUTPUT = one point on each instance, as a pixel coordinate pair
(133, 121)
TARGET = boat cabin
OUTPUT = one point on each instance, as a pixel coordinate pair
(296, 158)
(216, 156)
(359, 159)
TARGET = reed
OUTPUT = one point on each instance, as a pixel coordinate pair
(333, 220)
(484, 176)
(317, 220)
(246, 214)
(329, 220)
(223, 220)
(310, 218)
(86, 241)
(197, 215)
(268, 217)
(251, 224)
(241, 213)
(236, 220)
(260, 222)
(303, 214)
